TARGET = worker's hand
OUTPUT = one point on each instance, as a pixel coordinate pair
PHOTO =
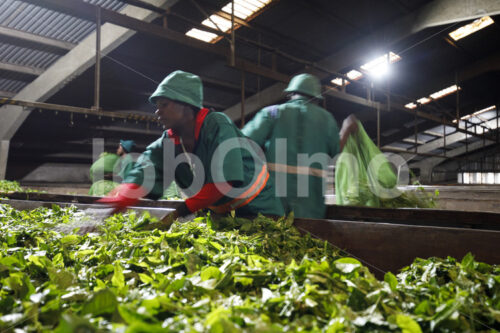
(350, 124)
(123, 196)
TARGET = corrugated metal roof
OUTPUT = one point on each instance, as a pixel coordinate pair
(37, 20)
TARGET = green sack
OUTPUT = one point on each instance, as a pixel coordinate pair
(364, 177)
(104, 165)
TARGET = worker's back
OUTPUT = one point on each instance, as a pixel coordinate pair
(308, 129)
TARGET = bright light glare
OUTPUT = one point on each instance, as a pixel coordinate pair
(471, 28)
(379, 67)
(354, 74)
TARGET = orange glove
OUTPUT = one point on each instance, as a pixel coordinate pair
(123, 196)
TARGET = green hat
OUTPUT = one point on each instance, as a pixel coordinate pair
(182, 87)
(127, 145)
(305, 84)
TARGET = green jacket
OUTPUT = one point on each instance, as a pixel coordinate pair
(308, 129)
(126, 164)
(238, 167)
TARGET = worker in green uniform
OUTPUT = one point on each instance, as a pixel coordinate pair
(293, 131)
(198, 147)
(126, 161)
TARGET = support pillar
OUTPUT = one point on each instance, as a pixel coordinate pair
(4, 154)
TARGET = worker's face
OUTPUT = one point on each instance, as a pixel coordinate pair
(120, 151)
(170, 114)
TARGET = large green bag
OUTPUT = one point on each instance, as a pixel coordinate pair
(364, 177)
(104, 165)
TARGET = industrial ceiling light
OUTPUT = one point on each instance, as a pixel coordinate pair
(243, 9)
(411, 105)
(380, 66)
(444, 92)
(201, 35)
(424, 100)
(471, 28)
(352, 75)
(437, 95)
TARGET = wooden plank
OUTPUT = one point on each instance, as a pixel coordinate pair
(417, 216)
(389, 247)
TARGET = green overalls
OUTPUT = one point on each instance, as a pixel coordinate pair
(308, 129)
(255, 192)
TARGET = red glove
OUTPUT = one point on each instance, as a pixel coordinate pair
(123, 196)
(209, 194)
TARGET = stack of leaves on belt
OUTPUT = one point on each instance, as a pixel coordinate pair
(227, 275)
(7, 186)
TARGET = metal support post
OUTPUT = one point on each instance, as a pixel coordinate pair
(242, 117)
(497, 129)
(97, 77)
(416, 130)
(378, 126)
(457, 100)
(259, 57)
(4, 154)
(444, 137)
(233, 48)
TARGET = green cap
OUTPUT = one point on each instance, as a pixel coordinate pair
(182, 87)
(306, 84)
(127, 145)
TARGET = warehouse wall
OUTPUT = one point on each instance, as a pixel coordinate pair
(59, 173)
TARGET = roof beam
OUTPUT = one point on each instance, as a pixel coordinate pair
(26, 39)
(7, 94)
(450, 11)
(87, 11)
(70, 65)
(434, 13)
(5, 66)
(434, 161)
(449, 139)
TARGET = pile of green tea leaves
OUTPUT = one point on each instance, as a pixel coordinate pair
(417, 198)
(8, 186)
(226, 275)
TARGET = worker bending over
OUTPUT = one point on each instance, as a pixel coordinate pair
(200, 147)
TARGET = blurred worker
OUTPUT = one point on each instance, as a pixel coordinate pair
(304, 128)
(126, 161)
(235, 180)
